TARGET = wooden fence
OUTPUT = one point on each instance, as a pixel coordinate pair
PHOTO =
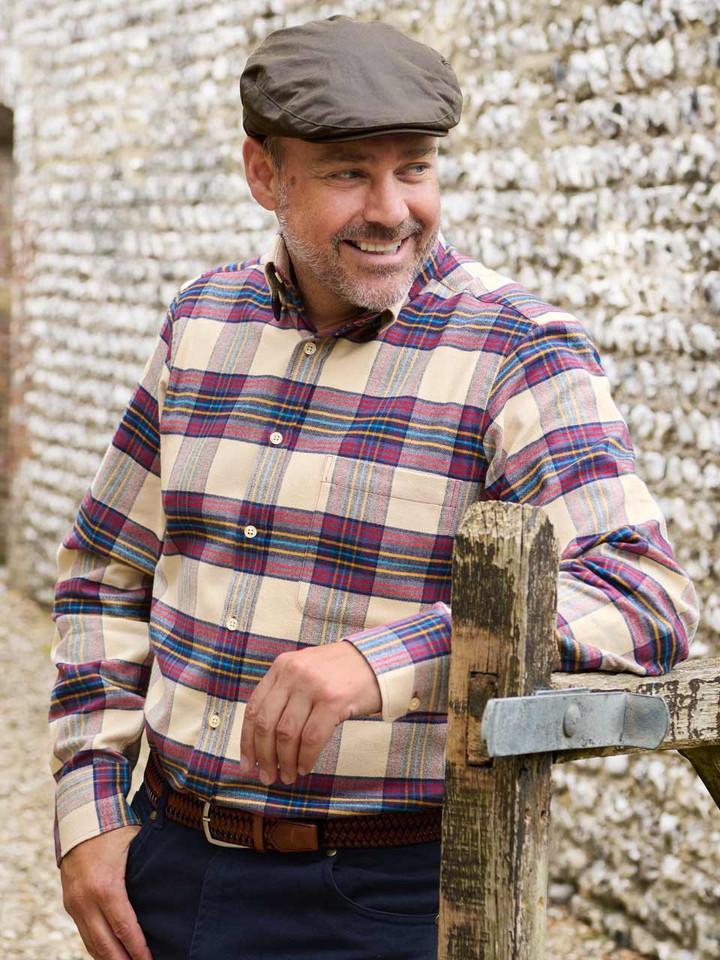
(493, 882)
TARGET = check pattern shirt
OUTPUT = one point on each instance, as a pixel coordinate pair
(269, 488)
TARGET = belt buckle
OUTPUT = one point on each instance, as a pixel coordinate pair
(210, 838)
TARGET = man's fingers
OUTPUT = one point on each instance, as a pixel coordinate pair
(263, 718)
(85, 935)
(247, 734)
(317, 731)
(110, 930)
(289, 731)
(126, 929)
(98, 938)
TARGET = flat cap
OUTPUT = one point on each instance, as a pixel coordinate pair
(342, 79)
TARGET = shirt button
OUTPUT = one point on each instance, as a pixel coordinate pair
(214, 721)
(231, 623)
(250, 531)
(310, 348)
(276, 439)
(414, 703)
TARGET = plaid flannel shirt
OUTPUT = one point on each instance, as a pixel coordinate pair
(268, 488)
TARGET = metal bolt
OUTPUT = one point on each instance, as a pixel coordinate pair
(571, 720)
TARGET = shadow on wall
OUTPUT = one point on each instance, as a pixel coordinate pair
(6, 192)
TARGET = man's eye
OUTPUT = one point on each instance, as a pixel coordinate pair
(345, 175)
(417, 169)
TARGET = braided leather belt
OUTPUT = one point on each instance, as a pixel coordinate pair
(227, 827)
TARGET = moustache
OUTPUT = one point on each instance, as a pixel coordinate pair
(367, 233)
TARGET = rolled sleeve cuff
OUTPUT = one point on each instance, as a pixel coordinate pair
(410, 658)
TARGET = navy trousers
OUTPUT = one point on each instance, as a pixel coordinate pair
(197, 901)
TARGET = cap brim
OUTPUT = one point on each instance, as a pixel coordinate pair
(388, 132)
(347, 135)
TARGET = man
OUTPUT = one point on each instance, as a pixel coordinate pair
(260, 571)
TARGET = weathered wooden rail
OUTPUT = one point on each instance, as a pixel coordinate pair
(493, 883)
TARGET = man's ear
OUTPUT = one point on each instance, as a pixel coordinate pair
(260, 173)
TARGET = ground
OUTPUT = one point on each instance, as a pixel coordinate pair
(33, 925)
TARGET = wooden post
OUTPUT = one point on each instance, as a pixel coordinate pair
(706, 761)
(493, 879)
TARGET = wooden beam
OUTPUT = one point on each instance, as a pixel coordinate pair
(493, 878)
(691, 691)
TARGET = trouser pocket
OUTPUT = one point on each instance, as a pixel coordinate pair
(394, 883)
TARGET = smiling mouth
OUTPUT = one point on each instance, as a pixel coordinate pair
(377, 248)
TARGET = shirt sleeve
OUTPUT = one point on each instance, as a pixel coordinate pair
(556, 440)
(102, 604)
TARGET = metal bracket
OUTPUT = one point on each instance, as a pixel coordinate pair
(551, 721)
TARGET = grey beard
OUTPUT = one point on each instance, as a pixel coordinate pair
(330, 272)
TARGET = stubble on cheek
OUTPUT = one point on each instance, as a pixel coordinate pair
(348, 277)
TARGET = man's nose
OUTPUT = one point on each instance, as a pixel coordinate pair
(385, 203)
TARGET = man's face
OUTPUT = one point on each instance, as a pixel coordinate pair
(358, 218)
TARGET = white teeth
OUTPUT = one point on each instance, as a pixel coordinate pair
(378, 247)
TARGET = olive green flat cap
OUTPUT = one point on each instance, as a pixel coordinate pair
(340, 79)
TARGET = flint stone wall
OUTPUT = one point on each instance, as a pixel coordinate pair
(586, 166)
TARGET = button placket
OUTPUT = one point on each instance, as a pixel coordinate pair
(304, 370)
(276, 437)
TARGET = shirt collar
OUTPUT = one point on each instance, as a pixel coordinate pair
(286, 296)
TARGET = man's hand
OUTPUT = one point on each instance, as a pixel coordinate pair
(93, 882)
(297, 705)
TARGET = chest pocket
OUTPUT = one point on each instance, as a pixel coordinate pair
(378, 534)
